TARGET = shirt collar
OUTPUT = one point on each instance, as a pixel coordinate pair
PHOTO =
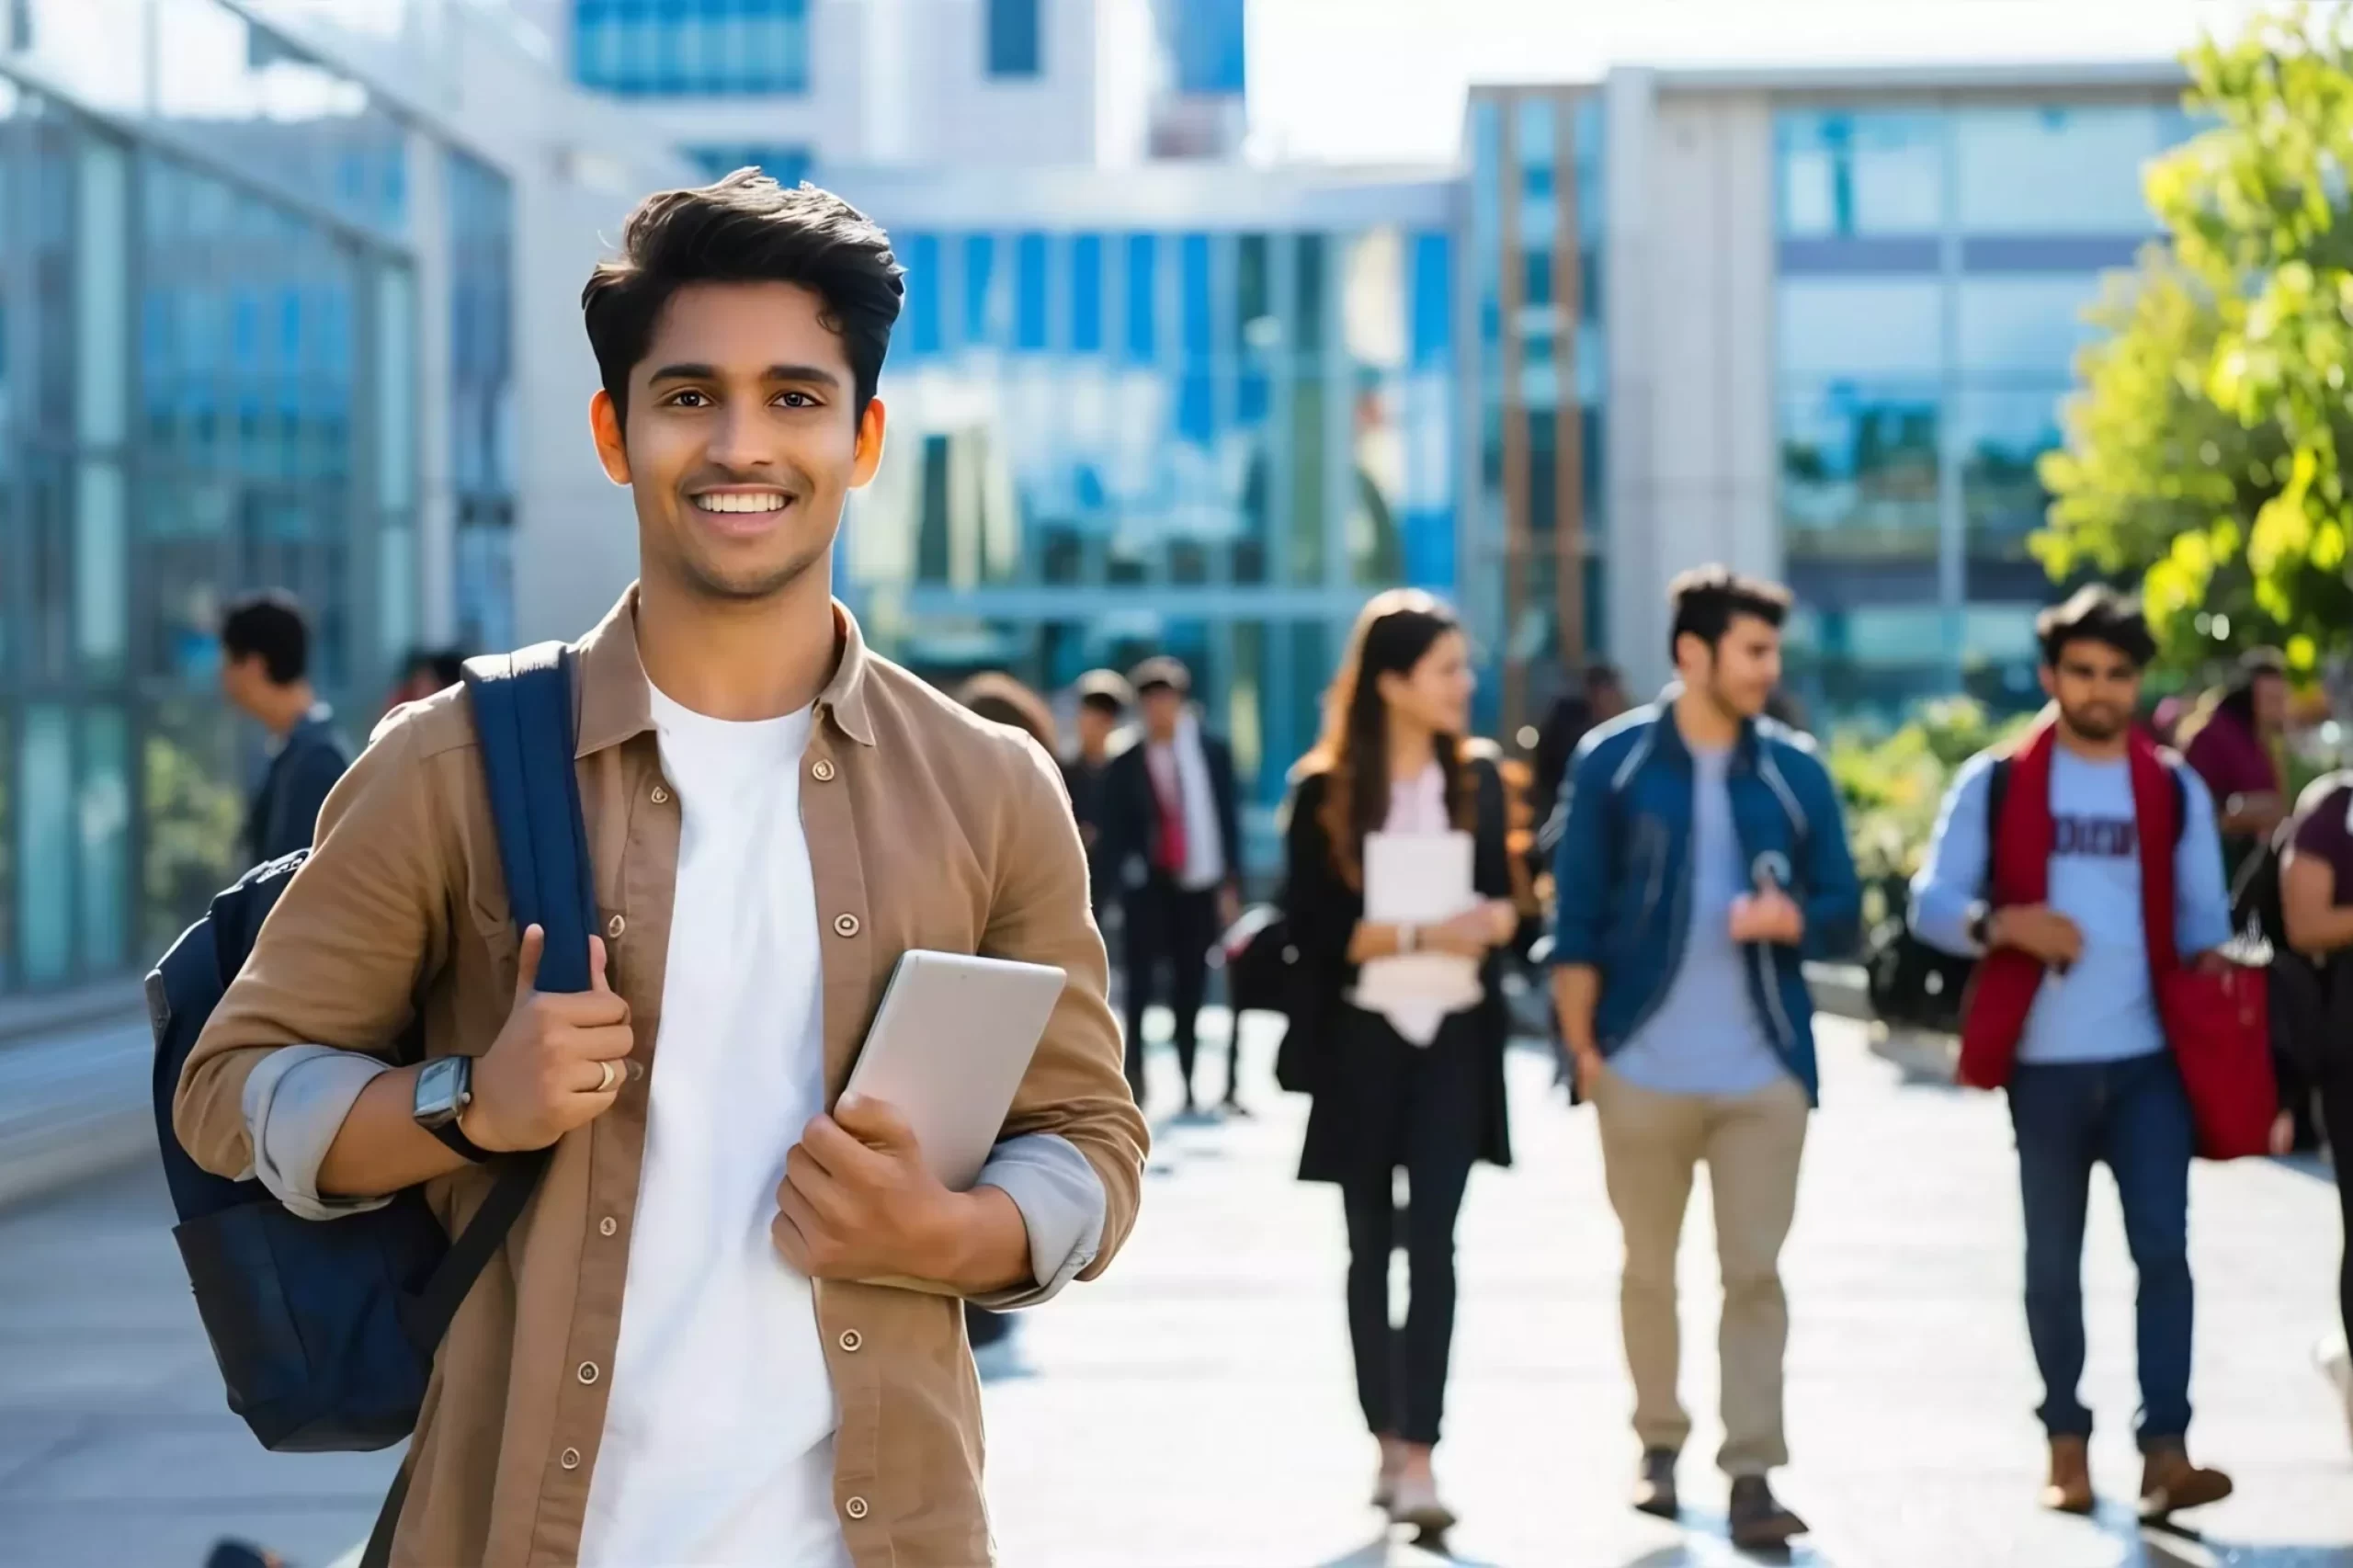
(616, 700)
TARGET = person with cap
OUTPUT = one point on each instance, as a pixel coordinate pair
(1171, 841)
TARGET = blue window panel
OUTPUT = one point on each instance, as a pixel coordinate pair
(1143, 291)
(1429, 547)
(692, 48)
(1193, 267)
(1433, 300)
(980, 264)
(1253, 395)
(1086, 294)
(1195, 406)
(921, 262)
(1212, 47)
(1013, 38)
(1030, 292)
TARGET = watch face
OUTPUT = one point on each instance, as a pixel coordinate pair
(442, 1090)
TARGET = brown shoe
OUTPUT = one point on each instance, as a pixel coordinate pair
(1760, 1522)
(1654, 1486)
(2069, 1491)
(2169, 1482)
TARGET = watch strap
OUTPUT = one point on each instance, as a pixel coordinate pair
(448, 1134)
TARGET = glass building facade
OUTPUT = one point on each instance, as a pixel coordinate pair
(692, 48)
(209, 383)
(1933, 262)
(1210, 442)
(1537, 208)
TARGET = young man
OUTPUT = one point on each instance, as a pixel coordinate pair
(680, 1356)
(1700, 856)
(266, 675)
(1104, 697)
(1172, 838)
(2088, 1074)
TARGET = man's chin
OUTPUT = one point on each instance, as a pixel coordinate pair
(745, 582)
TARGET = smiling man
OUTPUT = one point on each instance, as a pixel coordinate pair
(675, 1360)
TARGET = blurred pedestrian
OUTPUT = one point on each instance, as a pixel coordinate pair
(2051, 886)
(426, 671)
(1700, 857)
(2235, 741)
(2316, 909)
(1172, 839)
(1104, 699)
(1414, 1085)
(266, 675)
(1600, 697)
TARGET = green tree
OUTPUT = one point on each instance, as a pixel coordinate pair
(2204, 453)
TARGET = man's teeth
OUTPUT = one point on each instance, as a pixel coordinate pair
(767, 502)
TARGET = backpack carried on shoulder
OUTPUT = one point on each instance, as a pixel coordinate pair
(326, 1330)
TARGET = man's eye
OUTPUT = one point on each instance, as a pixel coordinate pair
(796, 400)
(689, 399)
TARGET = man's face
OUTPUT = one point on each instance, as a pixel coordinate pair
(2097, 687)
(1161, 707)
(243, 681)
(1609, 699)
(1741, 671)
(2271, 703)
(1096, 726)
(742, 444)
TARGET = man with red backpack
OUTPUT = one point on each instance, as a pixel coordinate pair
(2086, 867)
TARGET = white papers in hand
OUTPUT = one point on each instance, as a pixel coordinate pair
(1418, 879)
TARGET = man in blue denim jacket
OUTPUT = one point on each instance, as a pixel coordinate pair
(1701, 857)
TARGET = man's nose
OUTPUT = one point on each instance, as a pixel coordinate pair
(739, 443)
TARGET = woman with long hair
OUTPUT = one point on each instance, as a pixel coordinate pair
(1398, 1082)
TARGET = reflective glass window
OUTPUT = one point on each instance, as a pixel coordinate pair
(1193, 294)
(979, 270)
(1013, 44)
(2024, 328)
(2058, 169)
(1539, 133)
(1031, 284)
(2002, 434)
(1086, 293)
(1143, 295)
(46, 836)
(1843, 173)
(1212, 51)
(1860, 326)
(920, 254)
(691, 48)
(1858, 470)
(1433, 328)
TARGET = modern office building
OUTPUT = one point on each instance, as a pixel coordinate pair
(1825, 321)
(274, 282)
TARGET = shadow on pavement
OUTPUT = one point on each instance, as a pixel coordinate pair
(2181, 1546)
(1386, 1551)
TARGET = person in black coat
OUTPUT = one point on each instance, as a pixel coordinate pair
(1172, 842)
(266, 674)
(1394, 1089)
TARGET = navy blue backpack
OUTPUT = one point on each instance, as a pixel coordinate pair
(326, 1330)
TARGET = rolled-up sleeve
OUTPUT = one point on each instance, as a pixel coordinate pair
(295, 1101)
(1062, 1202)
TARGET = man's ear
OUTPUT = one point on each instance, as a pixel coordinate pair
(605, 427)
(869, 443)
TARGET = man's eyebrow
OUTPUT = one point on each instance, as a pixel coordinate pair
(700, 372)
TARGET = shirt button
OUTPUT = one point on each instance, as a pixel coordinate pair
(852, 1340)
(570, 1459)
(615, 926)
(846, 925)
(588, 1372)
(661, 796)
(855, 1507)
(823, 770)
(608, 1225)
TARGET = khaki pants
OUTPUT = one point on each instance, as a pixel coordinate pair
(1650, 1142)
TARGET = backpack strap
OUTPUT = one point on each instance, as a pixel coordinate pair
(524, 723)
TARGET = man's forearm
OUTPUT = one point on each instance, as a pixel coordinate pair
(1577, 988)
(984, 1248)
(380, 1148)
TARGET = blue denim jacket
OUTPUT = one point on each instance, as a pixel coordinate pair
(1622, 874)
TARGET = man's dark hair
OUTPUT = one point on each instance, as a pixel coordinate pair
(268, 623)
(1602, 677)
(1161, 672)
(2096, 614)
(1106, 691)
(1707, 599)
(746, 229)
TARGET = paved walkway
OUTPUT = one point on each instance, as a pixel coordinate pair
(1194, 1409)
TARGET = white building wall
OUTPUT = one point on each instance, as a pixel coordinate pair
(1692, 474)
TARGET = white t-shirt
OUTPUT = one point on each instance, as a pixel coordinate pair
(718, 1447)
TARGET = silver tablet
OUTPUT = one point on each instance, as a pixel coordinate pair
(948, 1048)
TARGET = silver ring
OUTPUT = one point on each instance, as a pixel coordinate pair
(606, 1076)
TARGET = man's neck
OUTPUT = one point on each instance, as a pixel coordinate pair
(1702, 722)
(287, 706)
(741, 660)
(2109, 750)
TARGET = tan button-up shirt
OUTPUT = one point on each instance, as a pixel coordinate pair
(926, 828)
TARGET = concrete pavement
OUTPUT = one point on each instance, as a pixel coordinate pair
(1194, 1409)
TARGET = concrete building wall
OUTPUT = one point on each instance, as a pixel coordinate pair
(1691, 474)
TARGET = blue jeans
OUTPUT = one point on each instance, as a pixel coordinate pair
(2134, 1116)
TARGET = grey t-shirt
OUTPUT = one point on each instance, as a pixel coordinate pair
(1705, 1038)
